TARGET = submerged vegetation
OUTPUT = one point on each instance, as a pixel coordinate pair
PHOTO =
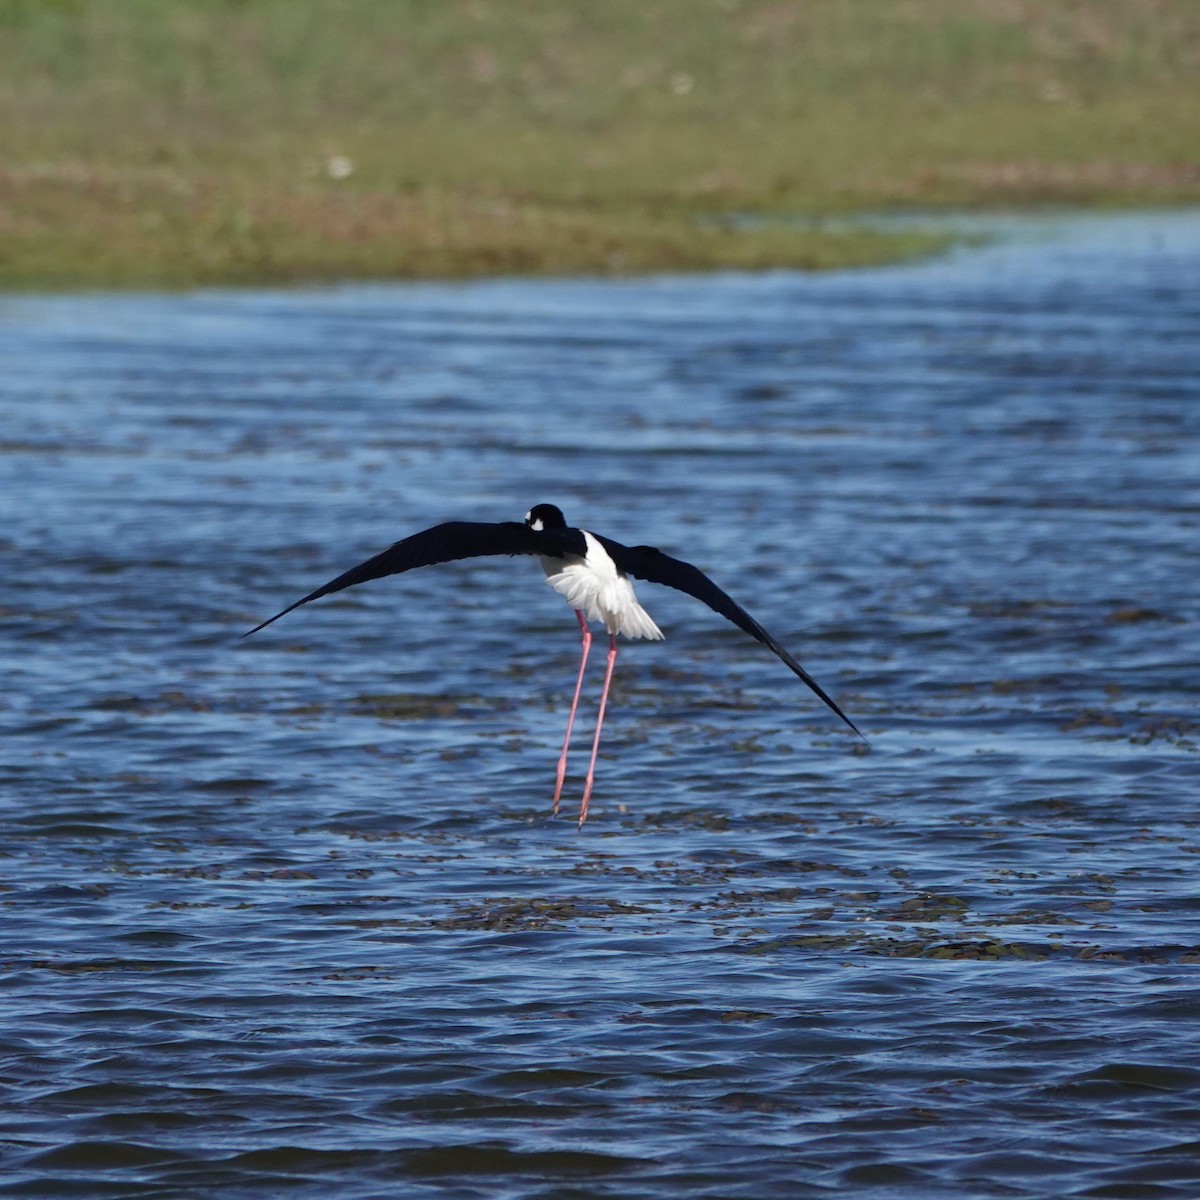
(172, 142)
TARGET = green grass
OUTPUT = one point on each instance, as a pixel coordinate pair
(172, 142)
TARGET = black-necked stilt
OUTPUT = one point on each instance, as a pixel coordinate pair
(589, 571)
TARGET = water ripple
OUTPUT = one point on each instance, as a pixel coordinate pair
(289, 916)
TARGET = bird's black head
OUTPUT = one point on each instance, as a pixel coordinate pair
(545, 516)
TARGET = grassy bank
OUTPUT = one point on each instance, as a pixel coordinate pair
(150, 142)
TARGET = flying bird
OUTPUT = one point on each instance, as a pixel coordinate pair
(592, 573)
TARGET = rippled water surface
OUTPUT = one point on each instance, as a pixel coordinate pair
(289, 916)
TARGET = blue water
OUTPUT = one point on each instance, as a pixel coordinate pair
(289, 916)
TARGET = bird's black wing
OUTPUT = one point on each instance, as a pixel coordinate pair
(442, 543)
(646, 562)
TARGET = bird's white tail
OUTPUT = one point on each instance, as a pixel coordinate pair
(611, 601)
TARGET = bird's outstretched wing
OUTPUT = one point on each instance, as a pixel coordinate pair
(442, 543)
(652, 565)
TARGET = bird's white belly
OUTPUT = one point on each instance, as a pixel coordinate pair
(597, 589)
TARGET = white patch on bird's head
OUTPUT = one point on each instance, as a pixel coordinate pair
(544, 516)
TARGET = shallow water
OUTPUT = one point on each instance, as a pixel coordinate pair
(289, 917)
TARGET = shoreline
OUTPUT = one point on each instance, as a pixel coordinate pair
(750, 242)
(184, 143)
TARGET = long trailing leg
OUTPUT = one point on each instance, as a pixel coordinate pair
(562, 758)
(591, 775)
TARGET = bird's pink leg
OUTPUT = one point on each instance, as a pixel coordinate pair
(562, 759)
(591, 775)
